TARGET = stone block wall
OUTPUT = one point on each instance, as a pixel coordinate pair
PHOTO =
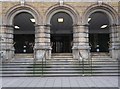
(42, 29)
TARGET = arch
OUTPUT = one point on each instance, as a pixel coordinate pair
(9, 18)
(61, 33)
(99, 36)
(113, 19)
(64, 8)
(12, 12)
(61, 8)
(112, 14)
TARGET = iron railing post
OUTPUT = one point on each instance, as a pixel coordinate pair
(82, 63)
(42, 67)
(34, 64)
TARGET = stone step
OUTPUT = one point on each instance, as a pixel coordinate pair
(24, 55)
(100, 53)
(100, 58)
(111, 72)
(76, 74)
(57, 75)
(39, 75)
(59, 71)
(59, 58)
(61, 68)
(61, 54)
(60, 64)
(81, 65)
(63, 64)
(64, 61)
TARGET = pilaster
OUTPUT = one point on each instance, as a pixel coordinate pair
(7, 45)
(80, 41)
(114, 42)
(42, 41)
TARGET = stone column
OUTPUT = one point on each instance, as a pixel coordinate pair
(114, 42)
(3, 43)
(42, 41)
(80, 41)
(118, 28)
(47, 41)
(75, 50)
(7, 42)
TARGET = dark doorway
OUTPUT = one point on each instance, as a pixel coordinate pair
(61, 43)
(61, 33)
(99, 32)
(99, 42)
(24, 33)
(24, 43)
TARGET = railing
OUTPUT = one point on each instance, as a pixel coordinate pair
(90, 57)
(90, 60)
(82, 62)
(43, 62)
(43, 58)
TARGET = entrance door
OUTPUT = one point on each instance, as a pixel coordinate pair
(61, 43)
(61, 32)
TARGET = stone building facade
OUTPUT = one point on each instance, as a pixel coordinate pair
(43, 12)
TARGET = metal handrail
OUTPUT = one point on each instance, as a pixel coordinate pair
(90, 60)
(89, 57)
(43, 57)
(34, 63)
(82, 63)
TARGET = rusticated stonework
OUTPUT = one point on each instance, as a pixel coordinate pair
(42, 11)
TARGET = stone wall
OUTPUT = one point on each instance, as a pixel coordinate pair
(42, 36)
(42, 7)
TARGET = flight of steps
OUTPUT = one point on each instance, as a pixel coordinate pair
(62, 64)
(103, 64)
(19, 66)
(59, 65)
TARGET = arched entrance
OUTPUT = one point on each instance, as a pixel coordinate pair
(24, 33)
(61, 32)
(103, 18)
(99, 30)
(74, 20)
(28, 16)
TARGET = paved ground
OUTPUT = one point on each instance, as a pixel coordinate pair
(60, 82)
